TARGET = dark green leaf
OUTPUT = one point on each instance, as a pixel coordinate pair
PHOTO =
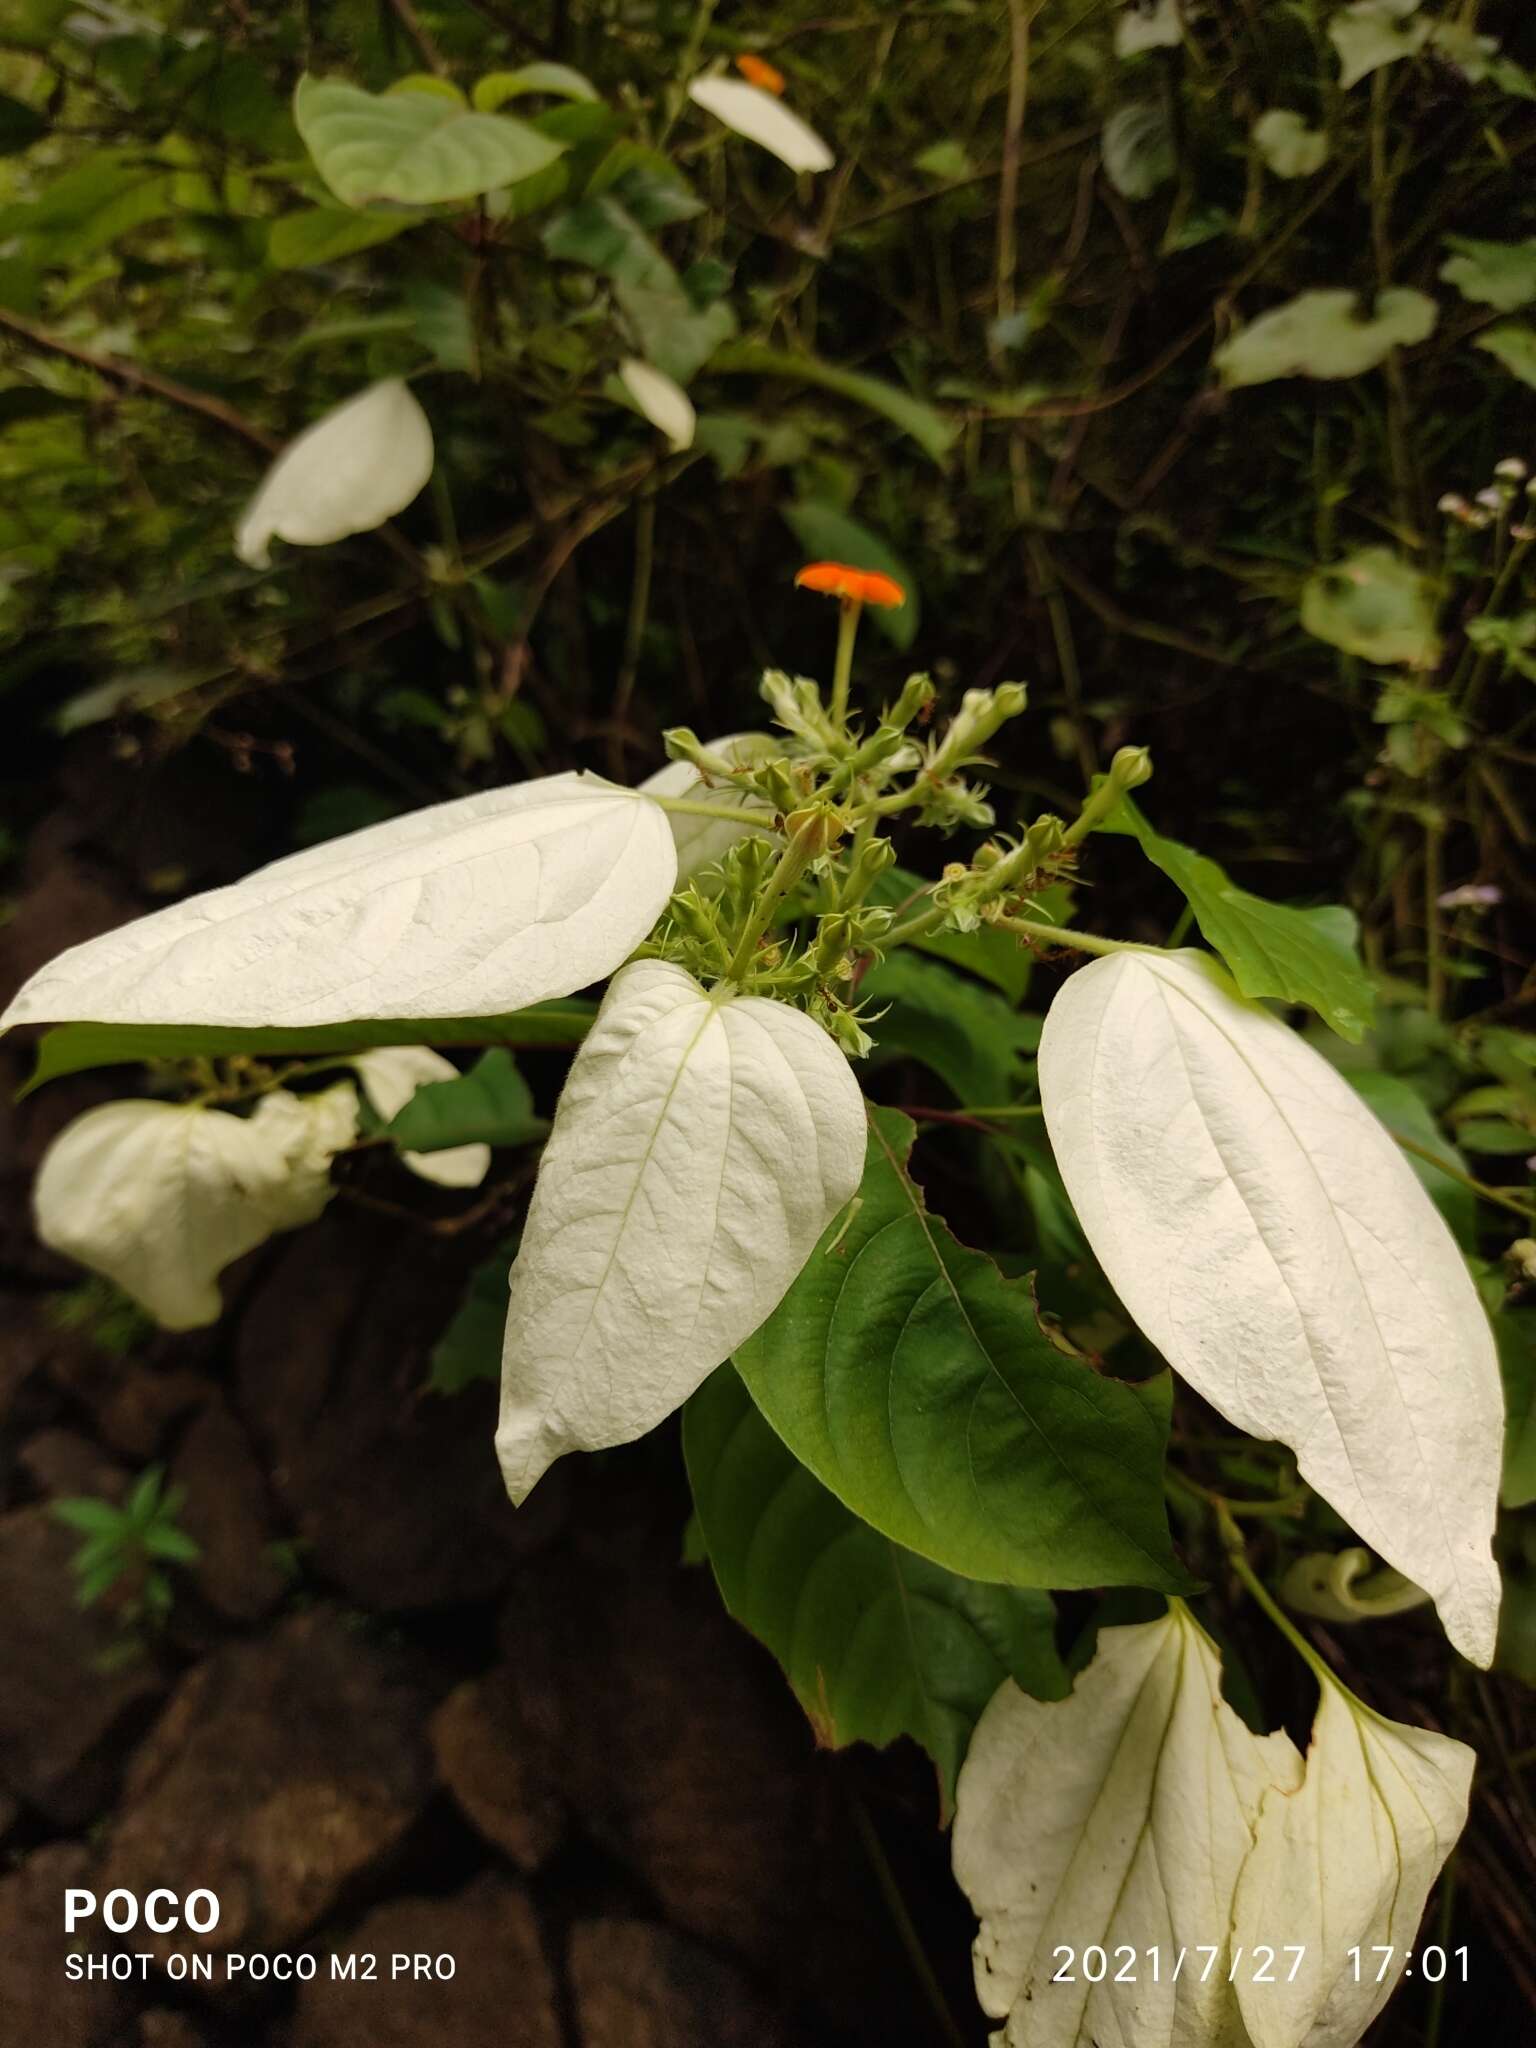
(670, 331)
(876, 1641)
(1301, 956)
(1407, 1115)
(1515, 1330)
(167, 1541)
(932, 432)
(72, 1048)
(470, 1348)
(917, 1383)
(968, 1035)
(416, 148)
(89, 1517)
(490, 1105)
(321, 234)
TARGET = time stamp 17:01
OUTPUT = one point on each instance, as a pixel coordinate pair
(1258, 1965)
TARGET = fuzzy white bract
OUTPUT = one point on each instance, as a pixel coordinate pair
(357, 466)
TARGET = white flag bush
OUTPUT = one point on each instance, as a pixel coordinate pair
(764, 119)
(1145, 1868)
(1268, 1236)
(161, 1197)
(713, 1204)
(353, 469)
(700, 1149)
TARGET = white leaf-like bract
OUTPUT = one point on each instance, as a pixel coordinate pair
(701, 841)
(1118, 1818)
(357, 466)
(390, 1075)
(1346, 1862)
(702, 1144)
(762, 119)
(161, 1197)
(470, 908)
(663, 402)
(1267, 1235)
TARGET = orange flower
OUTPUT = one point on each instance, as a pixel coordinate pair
(759, 72)
(854, 586)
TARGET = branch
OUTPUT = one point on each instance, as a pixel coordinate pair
(118, 370)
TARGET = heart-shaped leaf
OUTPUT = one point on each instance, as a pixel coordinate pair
(415, 148)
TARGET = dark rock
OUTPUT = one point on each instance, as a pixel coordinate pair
(669, 1733)
(39, 2006)
(481, 1758)
(134, 1405)
(501, 1994)
(638, 1985)
(161, 2029)
(394, 1491)
(228, 1515)
(282, 1773)
(66, 1693)
(61, 1464)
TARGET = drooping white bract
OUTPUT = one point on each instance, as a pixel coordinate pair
(1346, 1862)
(701, 841)
(470, 908)
(701, 1146)
(357, 466)
(162, 1197)
(1118, 1818)
(1270, 1239)
(762, 119)
(664, 403)
(390, 1075)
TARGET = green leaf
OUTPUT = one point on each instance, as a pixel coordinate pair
(1138, 149)
(1324, 334)
(490, 1105)
(917, 1383)
(20, 125)
(89, 1517)
(930, 429)
(1375, 605)
(1495, 1137)
(876, 1641)
(1406, 1114)
(673, 333)
(1497, 274)
(1300, 956)
(323, 233)
(827, 534)
(1515, 1330)
(986, 952)
(971, 1038)
(72, 1048)
(497, 87)
(470, 1348)
(418, 149)
(1513, 344)
(165, 1540)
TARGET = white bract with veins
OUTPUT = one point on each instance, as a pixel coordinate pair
(471, 908)
(357, 466)
(161, 1197)
(702, 841)
(763, 119)
(1266, 1233)
(702, 1145)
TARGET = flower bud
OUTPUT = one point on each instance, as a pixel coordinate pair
(1131, 767)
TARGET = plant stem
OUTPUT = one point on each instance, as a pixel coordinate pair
(842, 672)
(1501, 1196)
(634, 627)
(733, 814)
(792, 864)
(1058, 935)
(905, 1927)
(1434, 832)
(1237, 1553)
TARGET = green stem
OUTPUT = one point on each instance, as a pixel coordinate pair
(1097, 806)
(842, 673)
(1058, 935)
(1237, 1553)
(1501, 1196)
(791, 865)
(734, 814)
(906, 1927)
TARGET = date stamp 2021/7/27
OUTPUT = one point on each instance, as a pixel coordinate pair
(1257, 1964)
